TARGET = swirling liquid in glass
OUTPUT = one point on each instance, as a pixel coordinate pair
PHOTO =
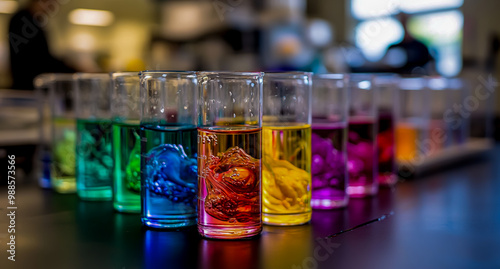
(286, 174)
(229, 193)
(168, 175)
(329, 166)
(127, 167)
(362, 161)
(94, 161)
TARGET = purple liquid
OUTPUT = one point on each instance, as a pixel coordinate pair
(385, 146)
(329, 169)
(362, 163)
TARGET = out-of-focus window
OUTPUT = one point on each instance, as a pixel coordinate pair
(442, 33)
(365, 9)
(436, 23)
(373, 37)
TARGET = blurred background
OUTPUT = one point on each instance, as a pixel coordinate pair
(448, 38)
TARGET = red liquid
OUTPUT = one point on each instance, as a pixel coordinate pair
(361, 154)
(229, 191)
(385, 146)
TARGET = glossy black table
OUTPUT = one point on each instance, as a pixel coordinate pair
(450, 219)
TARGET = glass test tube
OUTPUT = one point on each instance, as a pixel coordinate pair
(229, 162)
(168, 149)
(58, 153)
(362, 137)
(387, 91)
(286, 148)
(330, 105)
(126, 147)
(94, 160)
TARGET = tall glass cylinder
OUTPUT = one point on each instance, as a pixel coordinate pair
(168, 149)
(94, 161)
(457, 125)
(387, 91)
(412, 129)
(125, 113)
(229, 162)
(58, 155)
(330, 103)
(362, 137)
(439, 100)
(286, 148)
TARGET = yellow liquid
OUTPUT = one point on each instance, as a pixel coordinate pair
(286, 174)
(63, 156)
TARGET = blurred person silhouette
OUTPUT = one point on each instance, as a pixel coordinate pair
(29, 50)
(410, 56)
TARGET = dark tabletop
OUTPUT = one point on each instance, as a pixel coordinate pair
(449, 219)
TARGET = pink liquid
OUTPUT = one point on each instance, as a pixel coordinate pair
(362, 159)
(385, 146)
(329, 166)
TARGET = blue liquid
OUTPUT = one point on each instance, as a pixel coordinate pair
(168, 175)
(45, 178)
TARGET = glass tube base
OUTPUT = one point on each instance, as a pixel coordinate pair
(130, 207)
(96, 194)
(64, 185)
(362, 191)
(387, 180)
(44, 183)
(229, 232)
(329, 203)
(169, 222)
(286, 219)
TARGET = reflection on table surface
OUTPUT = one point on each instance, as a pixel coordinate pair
(445, 220)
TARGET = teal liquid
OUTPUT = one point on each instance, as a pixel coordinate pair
(127, 164)
(94, 161)
(166, 204)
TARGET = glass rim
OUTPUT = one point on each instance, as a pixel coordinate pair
(164, 71)
(412, 83)
(124, 74)
(171, 74)
(217, 74)
(46, 78)
(357, 77)
(383, 79)
(329, 76)
(288, 74)
(82, 75)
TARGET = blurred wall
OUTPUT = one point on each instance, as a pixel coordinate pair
(336, 12)
(481, 21)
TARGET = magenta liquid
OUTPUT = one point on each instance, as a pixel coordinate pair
(329, 166)
(385, 146)
(362, 162)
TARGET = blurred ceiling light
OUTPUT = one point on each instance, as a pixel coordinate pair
(8, 7)
(91, 17)
(412, 6)
(319, 32)
(82, 41)
(364, 9)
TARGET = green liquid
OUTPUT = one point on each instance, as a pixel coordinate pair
(63, 155)
(94, 162)
(127, 164)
